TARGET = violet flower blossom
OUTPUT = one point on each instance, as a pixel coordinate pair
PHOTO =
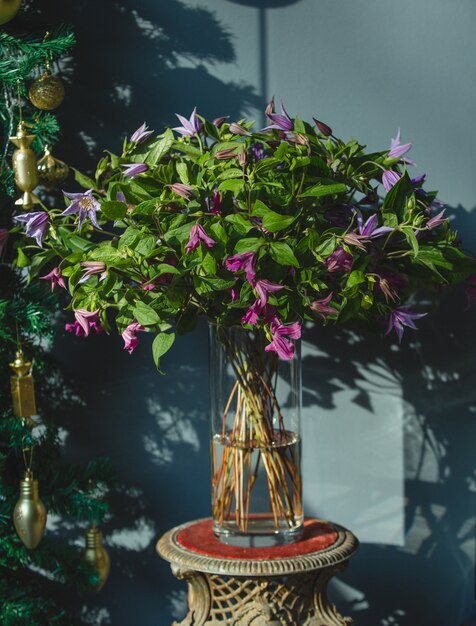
(129, 335)
(322, 308)
(370, 228)
(36, 224)
(214, 204)
(184, 191)
(85, 204)
(258, 152)
(339, 261)
(131, 170)
(4, 234)
(197, 235)
(141, 134)
(234, 293)
(91, 268)
(402, 317)
(281, 339)
(389, 179)
(85, 322)
(398, 150)
(437, 220)
(189, 127)
(264, 288)
(55, 277)
(245, 261)
(282, 121)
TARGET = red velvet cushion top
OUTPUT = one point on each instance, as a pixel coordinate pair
(200, 538)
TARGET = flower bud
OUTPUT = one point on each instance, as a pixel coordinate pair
(218, 121)
(242, 157)
(238, 129)
(225, 155)
(270, 107)
(323, 128)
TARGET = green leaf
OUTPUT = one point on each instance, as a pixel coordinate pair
(326, 247)
(274, 222)
(113, 210)
(83, 180)
(282, 253)
(22, 259)
(146, 244)
(412, 240)
(182, 171)
(147, 207)
(128, 238)
(356, 277)
(233, 172)
(240, 223)
(319, 191)
(264, 165)
(160, 147)
(250, 244)
(281, 151)
(161, 345)
(145, 314)
(395, 203)
(233, 185)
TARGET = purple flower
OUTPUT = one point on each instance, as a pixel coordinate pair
(437, 220)
(281, 121)
(141, 134)
(402, 317)
(244, 261)
(4, 233)
(238, 129)
(252, 314)
(214, 204)
(55, 278)
(129, 335)
(398, 150)
(85, 204)
(185, 191)
(91, 268)
(389, 179)
(264, 288)
(85, 322)
(134, 169)
(189, 127)
(322, 308)
(369, 229)
(283, 347)
(418, 180)
(339, 261)
(258, 151)
(234, 293)
(197, 235)
(36, 224)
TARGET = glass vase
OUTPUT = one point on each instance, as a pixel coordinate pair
(256, 441)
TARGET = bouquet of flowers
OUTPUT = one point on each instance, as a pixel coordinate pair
(264, 229)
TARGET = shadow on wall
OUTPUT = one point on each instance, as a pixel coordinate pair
(433, 374)
(135, 62)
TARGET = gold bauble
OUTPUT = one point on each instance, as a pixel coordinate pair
(24, 166)
(29, 515)
(51, 171)
(8, 10)
(46, 92)
(97, 556)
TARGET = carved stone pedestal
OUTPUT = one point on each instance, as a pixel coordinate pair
(279, 586)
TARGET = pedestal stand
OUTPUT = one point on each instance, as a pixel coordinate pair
(278, 586)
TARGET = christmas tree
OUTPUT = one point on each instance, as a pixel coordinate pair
(31, 579)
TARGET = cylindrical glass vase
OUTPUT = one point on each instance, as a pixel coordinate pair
(256, 440)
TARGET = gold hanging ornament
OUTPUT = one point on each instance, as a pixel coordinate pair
(51, 170)
(29, 514)
(24, 166)
(47, 92)
(8, 10)
(96, 555)
(23, 388)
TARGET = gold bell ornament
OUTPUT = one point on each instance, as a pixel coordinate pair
(23, 388)
(46, 92)
(8, 10)
(51, 170)
(29, 514)
(24, 166)
(96, 555)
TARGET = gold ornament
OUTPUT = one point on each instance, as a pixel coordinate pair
(29, 515)
(24, 167)
(22, 388)
(8, 10)
(47, 92)
(51, 171)
(96, 555)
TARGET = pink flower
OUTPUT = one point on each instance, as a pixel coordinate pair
(3, 238)
(184, 191)
(55, 278)
(235, 293)
(129, 335)
(322, 308)
(214, 204)
(264, 288)
(91, 268)
(87, 320)
(280, 343)
(244, 261)
(437, 220)
(197, 235)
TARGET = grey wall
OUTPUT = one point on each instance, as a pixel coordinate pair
(389, 431)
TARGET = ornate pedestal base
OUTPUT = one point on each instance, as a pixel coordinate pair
(279, 586)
